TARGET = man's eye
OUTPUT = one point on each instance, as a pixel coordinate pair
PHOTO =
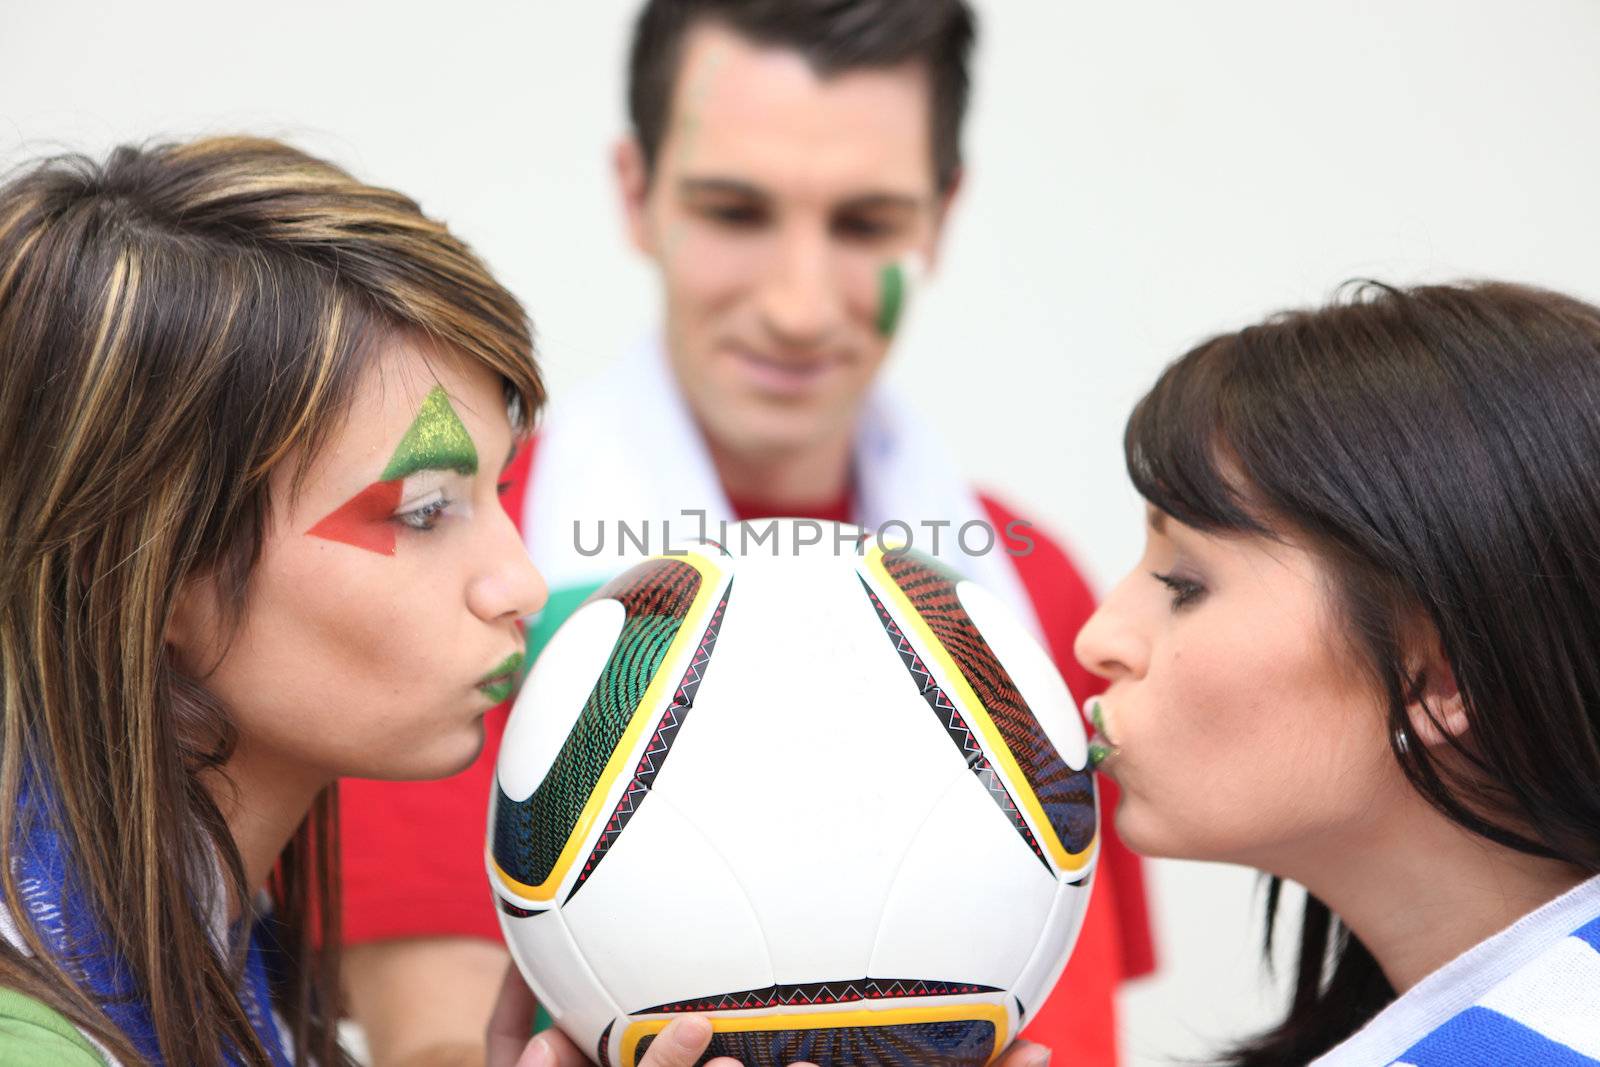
(860, 229)
(738, 216)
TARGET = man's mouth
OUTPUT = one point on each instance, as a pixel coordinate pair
(787, 376)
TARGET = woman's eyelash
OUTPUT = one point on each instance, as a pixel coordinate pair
(1183, 590)
(425, 517)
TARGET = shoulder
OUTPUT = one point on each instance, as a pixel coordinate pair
(33, 1033)
(1530, 994)
(1546, 1011)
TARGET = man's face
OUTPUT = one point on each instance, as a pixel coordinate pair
(777, 202)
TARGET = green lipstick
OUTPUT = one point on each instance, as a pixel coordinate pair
(499, 683)
(1100, 746)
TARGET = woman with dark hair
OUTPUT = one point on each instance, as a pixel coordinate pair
(1359, 653)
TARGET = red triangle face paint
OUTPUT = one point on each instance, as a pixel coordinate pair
(363, 520)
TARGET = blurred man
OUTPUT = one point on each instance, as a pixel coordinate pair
(788, 159)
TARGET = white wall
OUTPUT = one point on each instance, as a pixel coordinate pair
(1142, 174)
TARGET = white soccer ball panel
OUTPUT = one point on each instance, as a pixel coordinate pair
(808, 819)
(561, 980)
(663, 919)
(1030, 668)
(1060, 933)
(969, 900)
(809, 789)
(554, 694)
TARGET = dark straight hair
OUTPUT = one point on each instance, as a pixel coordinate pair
(1438, 449)
(834, 36)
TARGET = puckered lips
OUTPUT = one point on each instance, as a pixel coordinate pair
(498, 684)
(1101, 745)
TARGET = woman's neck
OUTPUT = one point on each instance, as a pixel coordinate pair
(263, 803)
(1418, 890)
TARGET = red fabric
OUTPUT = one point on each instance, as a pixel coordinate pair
(1063, 602)
(1116, 939)
(413, 851)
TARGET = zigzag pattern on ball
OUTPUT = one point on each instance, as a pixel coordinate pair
(1066, 795)
(956, 727)
(786, 996)
(529, 835)
(950, 1043)
(655, 753)
(516, 912)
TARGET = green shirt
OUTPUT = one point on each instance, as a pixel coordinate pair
(31, 1033)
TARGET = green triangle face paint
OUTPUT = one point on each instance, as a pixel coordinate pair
(897, 283)
(436, 441)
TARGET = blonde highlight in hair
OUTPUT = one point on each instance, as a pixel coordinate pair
(175, 324)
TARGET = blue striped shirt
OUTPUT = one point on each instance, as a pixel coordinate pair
(1528, 995)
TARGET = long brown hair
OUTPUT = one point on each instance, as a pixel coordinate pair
(1436, 447)
(174, 324)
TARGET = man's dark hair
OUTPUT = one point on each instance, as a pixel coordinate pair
(833, 35)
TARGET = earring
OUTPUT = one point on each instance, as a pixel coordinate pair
(1402, 742)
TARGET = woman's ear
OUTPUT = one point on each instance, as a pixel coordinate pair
(1434, 703)
(190, 634)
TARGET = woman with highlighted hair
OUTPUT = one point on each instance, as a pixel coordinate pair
(253, 414)
(1359, 654)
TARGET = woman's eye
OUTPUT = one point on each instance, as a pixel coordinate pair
(425, 517)
(1183, 590)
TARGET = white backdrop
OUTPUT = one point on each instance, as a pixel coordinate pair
(1142, 174)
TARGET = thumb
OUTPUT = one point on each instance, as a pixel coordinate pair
(680, 1044)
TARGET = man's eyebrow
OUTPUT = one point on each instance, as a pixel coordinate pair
(873, 201)
(882, 202)
(721, 187)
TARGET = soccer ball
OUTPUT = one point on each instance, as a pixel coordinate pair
(836, 798)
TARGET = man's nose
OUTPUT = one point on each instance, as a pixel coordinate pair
(801, 303)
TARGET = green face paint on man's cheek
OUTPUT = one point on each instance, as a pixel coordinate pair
(896, 281)
(436, 441)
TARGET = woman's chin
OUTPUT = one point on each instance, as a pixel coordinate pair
(440, 757)
(1147, 834)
